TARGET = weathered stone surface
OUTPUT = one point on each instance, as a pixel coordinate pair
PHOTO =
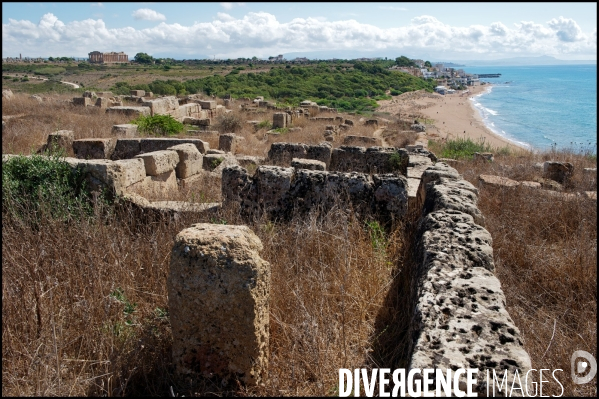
(82, 101)
(558, 171)
(215, 151)
(126, 148)
(162, 106)
(102, 102)
(418, 127)
(133, 112)
(61, 139)
(390, 196)
(138, 93)
(7, 94)
(371, 122)
(90, 94)
(271, 184)
(218, 269)
(591, 195)
(212, 161)
(126, 130)
(227, 142)
(530, 184)
(94, 148)
(159, 144)
(249, 161)
(321, 152)
(158, 186)
(282, 153)
(207, 104)
(310, 164)
(361, 141)
(434, 173)
(279, 120)
(484, 156)
(497, 181)
(235, 180)
(348, 158)
(190, 160)
(159, 162)
(37, 98)
(460, 320)
(445, 194)
(130, 171)
(105, 94)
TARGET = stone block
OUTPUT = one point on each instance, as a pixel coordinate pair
(132, 112)
(94, 148)
(130, 171)
(212, 161)
(390, 196)
(190, 160)
(235, 180)
(89, 94)
(498, 181)
(83, 101)
(126, 148)
(159, 162)
(158, 186)
(227, 142)
(279, 120)
(484, 156)
(218, 269)
(104, 94)
(162, 106)
(558, 171)
(126, 130)
(371, 122)
(282, 153)
(137, 93)
(349, 122)
(62, 139)
(207, 104)
(457, 194)
(321, 152)
(248, 161)
(103, 102)
(159, 144)
(310, 164)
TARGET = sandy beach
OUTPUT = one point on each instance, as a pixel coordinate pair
(447, 116)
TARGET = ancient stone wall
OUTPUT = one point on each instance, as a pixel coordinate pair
(280, 192)
(460, 319)
(369, 160)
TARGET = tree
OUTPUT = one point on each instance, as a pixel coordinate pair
(143, 58)
(428, 64)
(404, 61)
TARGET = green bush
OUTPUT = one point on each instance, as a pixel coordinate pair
(158, 125)
(463, 148)
(43, 184)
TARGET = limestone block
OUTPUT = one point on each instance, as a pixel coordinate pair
(159, 144)
(282, 153)
(37, 98)
(498, 181)
(7, 94)
(159, 162)
(434, 173)
(530, 184)
(162, 106)
(235, 180)
(279, 120)
(130, 171)
(249, 161)
(90, 94)
(349, 122)
(459, 195)
(348, 158)
(310, 164)
(460, 319)
(390, 196)
(126, 148)
(344, 127)
(138, 93)
(558, 171)
(218, 269)
(321, 152)
(156, 186)
(371, 122)
(271, 186)
(190, 160)
(133, 112)
(208, 104)
(62, 139)
(124, 130)
(215, 151)
(83, 101)
(102, 102)
(227, 142)
(94, 148)
(212, 161)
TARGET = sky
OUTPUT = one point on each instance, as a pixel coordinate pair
(431, 31)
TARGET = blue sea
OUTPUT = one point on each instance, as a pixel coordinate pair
(541, 107)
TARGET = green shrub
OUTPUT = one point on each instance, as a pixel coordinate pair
(43, 184)
(463, 148)
(159, 125)
(229, 123)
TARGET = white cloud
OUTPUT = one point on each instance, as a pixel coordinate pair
(147, 14)
(96, 5)
(226, 6)
(261, 34)
(393, 8)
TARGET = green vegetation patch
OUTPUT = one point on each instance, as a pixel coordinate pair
(48, 71)
(463, 148)
(158, 125)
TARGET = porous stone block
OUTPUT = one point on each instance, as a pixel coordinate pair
(218, 269)
(279, 120)
(310, 164)
(137, 93)
(94, 148)
(190, 160)
(126, 148)
(102, 102)
(83, 101)
(158, 186)
(321, 152)
(159, 162)
(212, 161)
(460, 195)
(349, 122)
(130, 171)
(460, 319)
(207, 104)
(348, 158)
(558, 171)
(133, 112)
(371, 122)
(390, 196)
(248, 161)
(282, 153)
(227, 142)
(125, 130)
(235, 179)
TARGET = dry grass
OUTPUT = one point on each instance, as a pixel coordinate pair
(545, 251)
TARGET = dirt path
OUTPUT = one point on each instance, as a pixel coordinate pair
(75, 85)
(378, 134)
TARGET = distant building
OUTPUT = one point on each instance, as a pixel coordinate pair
(96, 57)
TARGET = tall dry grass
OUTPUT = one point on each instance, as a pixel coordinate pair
(545, 252)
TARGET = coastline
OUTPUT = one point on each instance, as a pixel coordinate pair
(449, 116)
